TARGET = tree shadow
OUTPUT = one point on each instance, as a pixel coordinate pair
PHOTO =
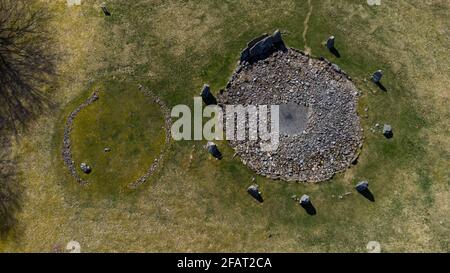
(11, 191)
(368, 195)
(26, 62)
(335, 52)
(309, 208)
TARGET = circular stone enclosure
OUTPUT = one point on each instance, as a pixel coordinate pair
(120, 136)
(320, 131)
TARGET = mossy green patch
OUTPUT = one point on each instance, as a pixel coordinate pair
(126, 123)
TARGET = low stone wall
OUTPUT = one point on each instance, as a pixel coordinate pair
(67, 146)
(167, 125)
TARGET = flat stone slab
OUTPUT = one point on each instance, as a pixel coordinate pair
(293, 118)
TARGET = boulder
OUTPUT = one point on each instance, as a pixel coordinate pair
(387, 131)
(262, 46)
(305, 200)
(85, 168)
(362, 186)
(376, 77)
(105, 9)
(253, 190)
(207, 96)
(213, 150)
(330, 42)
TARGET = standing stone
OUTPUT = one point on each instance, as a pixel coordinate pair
(387, 131)
(376, 77)
(105, 10)
(305, 200)
(362, 186)
(253, 190)
(85, 168)
(330, 42)
(213, 150)
(277, 37)
(263, 46)
(207, 96)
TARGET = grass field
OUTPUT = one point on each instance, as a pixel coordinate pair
(195, 203)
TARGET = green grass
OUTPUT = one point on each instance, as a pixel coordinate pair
(128, 123)
(195, 203)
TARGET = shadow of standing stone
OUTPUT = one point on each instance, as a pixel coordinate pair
(387, 131)
(306, 203)
(105, 10)
(363, 188)
(213, 150)
(331, 48)
(207, 96)
(253, 190)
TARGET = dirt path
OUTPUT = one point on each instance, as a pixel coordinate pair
(306, 26)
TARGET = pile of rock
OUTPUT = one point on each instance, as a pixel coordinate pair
(332, 136)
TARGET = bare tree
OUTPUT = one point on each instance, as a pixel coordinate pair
(26, 63)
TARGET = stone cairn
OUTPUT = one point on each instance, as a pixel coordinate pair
(269, 73)
(67, 146)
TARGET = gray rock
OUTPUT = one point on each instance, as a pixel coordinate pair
(262, 46)
(330, 42)
(387, 131)
(376, 77)
(207, 96)
(213, 150)
(253, 190)
(277, 37)
(362, 186)
(305, 199)
(85, 168)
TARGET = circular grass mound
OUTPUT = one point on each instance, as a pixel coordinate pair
(119, 136)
